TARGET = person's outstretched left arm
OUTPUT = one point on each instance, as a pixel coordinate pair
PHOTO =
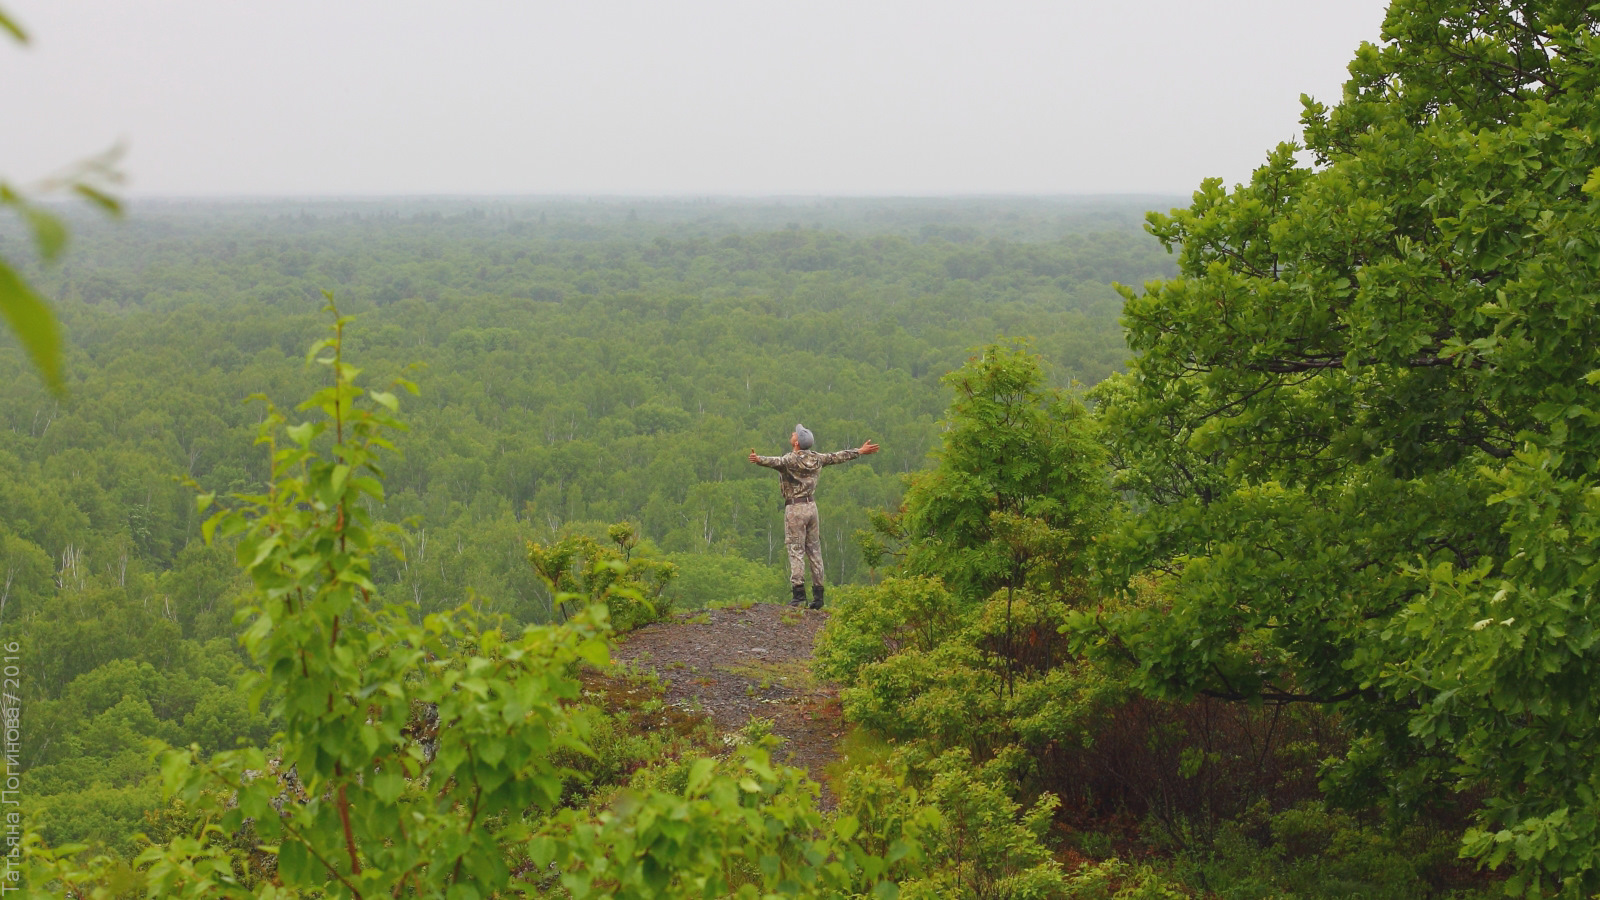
(839, 456)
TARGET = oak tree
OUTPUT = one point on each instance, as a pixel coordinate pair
(1362, 431)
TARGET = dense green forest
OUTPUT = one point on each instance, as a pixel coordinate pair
(1294, 599)
(567, 379)
(578, 365)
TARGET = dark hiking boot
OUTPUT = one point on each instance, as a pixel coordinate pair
(816, 596)
(799, 598)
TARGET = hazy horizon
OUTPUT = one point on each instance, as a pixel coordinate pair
(711, 98)
(704, 196)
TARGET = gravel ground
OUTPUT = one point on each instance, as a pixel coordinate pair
(738, 664)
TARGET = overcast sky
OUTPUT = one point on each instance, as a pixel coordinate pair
(294, 97)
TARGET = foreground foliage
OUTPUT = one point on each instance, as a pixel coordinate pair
(350, 801)
(24, 311)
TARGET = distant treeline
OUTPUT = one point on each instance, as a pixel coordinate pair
(956, 219)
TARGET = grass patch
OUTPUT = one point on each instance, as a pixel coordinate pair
(860, 747)
(793, 674)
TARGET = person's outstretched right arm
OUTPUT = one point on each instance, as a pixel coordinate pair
(771, 462)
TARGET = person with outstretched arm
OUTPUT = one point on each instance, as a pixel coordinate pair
(798, 471)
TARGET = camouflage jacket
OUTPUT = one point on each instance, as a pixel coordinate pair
(798, 471)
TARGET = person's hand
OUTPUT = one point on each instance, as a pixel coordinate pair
(753, 457)
(869, 448)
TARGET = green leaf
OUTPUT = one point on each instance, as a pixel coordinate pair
(388, 785)
(699, 776)
(10, 26)
(106, 202)
(28, 316)
(594, 652)
(846, 827)
(294, 863)
(1591, 185)
(263, 550)
(49, 234)
(541, 850)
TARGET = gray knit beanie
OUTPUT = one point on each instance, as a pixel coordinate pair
(804, 435)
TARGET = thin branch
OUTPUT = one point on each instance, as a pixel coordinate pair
(349, 834)
(311, 849)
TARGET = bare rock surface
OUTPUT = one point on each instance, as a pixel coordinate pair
(737, 664)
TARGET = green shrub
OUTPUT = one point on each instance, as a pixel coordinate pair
(1114, 879)
(1313, 852)
(868, 624)
(577, 566)
(705, 580)
(985, 845)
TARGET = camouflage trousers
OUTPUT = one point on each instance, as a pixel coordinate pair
(803, 538)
